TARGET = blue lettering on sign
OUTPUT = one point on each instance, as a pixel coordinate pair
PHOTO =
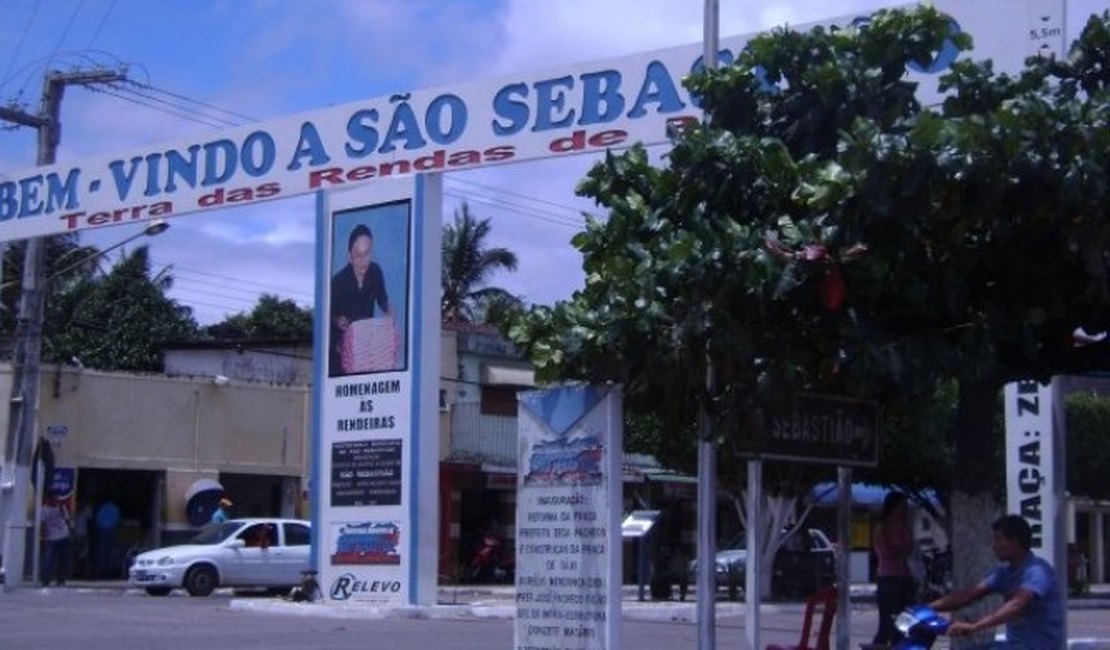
(403, 126)
(658, 88)
(152, 161)
(360, 131)
(178, 167)
(944, 58)
(451, 107)
(23, 198)
(258, 153)
(309, 144)
(507, 105)
(601, 89)
(213, 174)
(123, 178)
(551, 96)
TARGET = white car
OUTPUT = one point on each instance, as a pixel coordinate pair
(270, 553)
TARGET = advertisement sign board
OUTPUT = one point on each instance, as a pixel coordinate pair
(1035, 470)
(377, 367)
(581, 108)
(568, 528)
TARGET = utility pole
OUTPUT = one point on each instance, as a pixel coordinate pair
(707, 449)
(23, 405)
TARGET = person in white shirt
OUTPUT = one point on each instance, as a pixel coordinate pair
(56, 527)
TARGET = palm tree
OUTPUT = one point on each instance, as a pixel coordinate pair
(467, 265)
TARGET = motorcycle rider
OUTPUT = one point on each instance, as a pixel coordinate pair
(1033, 610)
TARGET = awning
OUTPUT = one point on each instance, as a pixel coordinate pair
(671, 477)
(507, 376)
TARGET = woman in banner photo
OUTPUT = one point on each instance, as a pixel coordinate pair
(364, 333)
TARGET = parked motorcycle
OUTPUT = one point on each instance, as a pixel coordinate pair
(921, 625)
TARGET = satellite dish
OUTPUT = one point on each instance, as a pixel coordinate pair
(201, 500)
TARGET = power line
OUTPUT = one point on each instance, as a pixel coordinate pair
(193, 101)
(103, 20)
(182, 114)
(159, 100)
(65, 32)
(576, 211)
(514, 208)
(19, 47)
(234, 279)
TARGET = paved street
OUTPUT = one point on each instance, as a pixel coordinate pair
(103, 619)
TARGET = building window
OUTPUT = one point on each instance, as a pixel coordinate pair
(498, 400)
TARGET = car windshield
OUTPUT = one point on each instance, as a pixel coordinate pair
(215, 533)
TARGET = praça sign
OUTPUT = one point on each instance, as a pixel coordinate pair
(589, 107)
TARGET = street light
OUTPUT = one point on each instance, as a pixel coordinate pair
(17, 469)
(156, 227)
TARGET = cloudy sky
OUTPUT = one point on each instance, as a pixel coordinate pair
(249, 60)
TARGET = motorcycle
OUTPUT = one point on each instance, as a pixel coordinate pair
(921, 625)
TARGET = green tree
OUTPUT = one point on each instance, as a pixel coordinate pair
(824, 231)
(271, 318)
(467, 266)
(117, 321)
(66, 263)
(1088, 445)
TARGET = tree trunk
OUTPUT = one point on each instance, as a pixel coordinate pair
(974, 506)
(778, 513)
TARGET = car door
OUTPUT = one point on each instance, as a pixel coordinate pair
(296, 545)
(258, 560)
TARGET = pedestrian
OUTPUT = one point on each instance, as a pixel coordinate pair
(893, 544)
(1033, 606)
(107, 522)
(56, 526)
(220, 515)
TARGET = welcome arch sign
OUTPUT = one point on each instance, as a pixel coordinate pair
(376, 462)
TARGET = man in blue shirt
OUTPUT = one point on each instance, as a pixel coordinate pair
(1033, 610)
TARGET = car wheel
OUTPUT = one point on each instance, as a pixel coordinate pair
(201, 580)
(158, 591)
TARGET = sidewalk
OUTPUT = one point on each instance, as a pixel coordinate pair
(1098, 596)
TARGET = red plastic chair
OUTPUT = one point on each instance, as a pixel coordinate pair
(826, 599)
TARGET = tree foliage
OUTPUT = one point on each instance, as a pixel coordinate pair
(1088, 445)
(468, 264)
(824, 231)
(66, 262)
(117, 321)
(271, 318)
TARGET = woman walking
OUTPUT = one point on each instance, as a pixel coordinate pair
(893, 543)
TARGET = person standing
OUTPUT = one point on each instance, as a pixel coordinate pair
(56, 526)
(1033, 609)
(220, 515)
(107, 522)
(893, 544)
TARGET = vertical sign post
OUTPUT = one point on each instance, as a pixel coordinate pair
(1035, 467)
(375, 462)
(568, 579)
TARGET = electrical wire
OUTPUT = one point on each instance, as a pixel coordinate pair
(222, 122)
(19, 47)
(576, 211)
(100, 26)
(514, 209)
(182, 114)
(148, 87)
(65, 32)
(237, 280)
